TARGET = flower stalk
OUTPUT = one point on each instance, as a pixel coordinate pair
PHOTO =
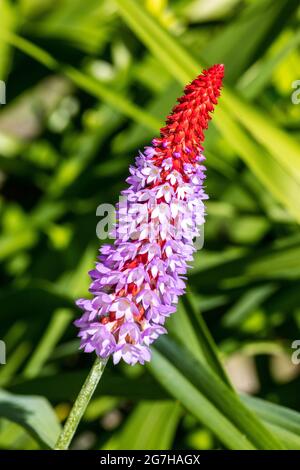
(137, 281)
(81, 404)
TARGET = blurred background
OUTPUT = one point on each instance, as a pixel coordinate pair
(85, 85)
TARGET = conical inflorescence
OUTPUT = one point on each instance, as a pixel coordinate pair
(138, 279)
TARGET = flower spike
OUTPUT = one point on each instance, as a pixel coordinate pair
(137, 280)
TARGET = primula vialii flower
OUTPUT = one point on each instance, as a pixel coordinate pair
(138, 279)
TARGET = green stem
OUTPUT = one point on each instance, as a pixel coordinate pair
(80, 404)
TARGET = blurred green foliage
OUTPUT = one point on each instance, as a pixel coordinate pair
(87, 84)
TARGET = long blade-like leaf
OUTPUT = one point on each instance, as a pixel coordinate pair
(218, 394)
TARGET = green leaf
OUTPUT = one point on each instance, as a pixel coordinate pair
(95, 88)
(266, 18)
(34, 413)
(275, 414)
(197, 403)
(275, 262)
(172, 55)
(247, 304)
(277, 180)
(7, 21)
(83, 81)
(220, 396)
(291, 441)
(11, 244)
(84, 26)
(275, 140)
(283, 422)
(58, 323)
(252, 85)
(151, 426)
(189, 327)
